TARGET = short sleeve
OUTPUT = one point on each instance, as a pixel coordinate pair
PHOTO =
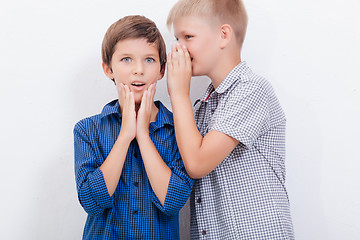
(243, 114)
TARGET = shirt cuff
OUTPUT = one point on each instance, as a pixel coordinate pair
(177, 194)
(245, 140)
(99, 189)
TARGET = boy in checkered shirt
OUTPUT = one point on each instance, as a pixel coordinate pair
(235, 144)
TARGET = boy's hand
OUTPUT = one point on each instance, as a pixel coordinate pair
(127, 103)
(144, 114)
(178, 70)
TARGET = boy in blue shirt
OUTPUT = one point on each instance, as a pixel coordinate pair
(234, 145)
(129, 174)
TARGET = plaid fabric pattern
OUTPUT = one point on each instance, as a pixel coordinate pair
(244, 197)
(134, 211)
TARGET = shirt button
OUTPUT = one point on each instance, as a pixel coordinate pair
(203, 232)
(135, 212)
(136, 184)
(198, 200)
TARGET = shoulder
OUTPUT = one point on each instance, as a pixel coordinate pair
(249, 86)
(165, 115)
(92, 123)
(163, 108)
(87, 125)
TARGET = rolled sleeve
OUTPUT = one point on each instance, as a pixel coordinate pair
(91, 187)
(180, 183)
(93, 194)
(176, 196)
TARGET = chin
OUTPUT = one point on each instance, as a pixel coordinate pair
(196, 73)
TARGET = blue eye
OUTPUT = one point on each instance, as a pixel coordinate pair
(126, 59)
(150, 60)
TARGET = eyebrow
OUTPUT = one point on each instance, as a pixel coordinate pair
(121, 55)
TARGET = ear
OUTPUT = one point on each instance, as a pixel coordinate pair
(162, 72)
(108, 71)
(226, 34)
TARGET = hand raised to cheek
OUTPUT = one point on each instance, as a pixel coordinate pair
(145, 111)
(127, 105)
(178, 70)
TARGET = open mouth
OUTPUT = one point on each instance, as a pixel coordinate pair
(138, 84)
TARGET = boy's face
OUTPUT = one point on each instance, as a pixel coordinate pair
(135, 63)
(201, 39)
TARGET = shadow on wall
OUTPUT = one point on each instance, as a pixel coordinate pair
(304, 187)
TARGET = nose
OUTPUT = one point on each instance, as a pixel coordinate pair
(138, 68)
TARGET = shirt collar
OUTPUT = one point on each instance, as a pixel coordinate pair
(164, 115)
(239, 72)
(112, 107)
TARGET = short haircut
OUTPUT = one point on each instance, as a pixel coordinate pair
(230, 12)
(132, 27)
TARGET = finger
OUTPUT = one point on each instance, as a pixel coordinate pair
(143, 104)
(129, 96)
(169, 61)
(150, 96)
(131, 101)
(120, 89)
(121, 94)
(187, 56)
(181, 54)
(175, 55)
(126, 90)
(153, 91)
(173, 47)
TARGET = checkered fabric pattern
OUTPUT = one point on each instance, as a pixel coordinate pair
(244, 197)
(133, 211)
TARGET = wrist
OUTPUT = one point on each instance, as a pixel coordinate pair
(142, 136)
(179, 98)
(178, 95)
(124, 138)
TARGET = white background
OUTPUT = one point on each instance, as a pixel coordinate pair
(51, 77)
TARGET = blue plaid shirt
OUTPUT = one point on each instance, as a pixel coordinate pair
(133, 211)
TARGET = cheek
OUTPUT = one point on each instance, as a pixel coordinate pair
(154, 74)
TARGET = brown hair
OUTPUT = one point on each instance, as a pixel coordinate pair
(230, 12)
(132, 27)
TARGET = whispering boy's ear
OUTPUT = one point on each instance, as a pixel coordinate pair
(108, 71)
(226, 33)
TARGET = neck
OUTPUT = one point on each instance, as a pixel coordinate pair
(137, 107)
(223, 69)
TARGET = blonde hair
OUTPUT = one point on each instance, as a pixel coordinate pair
(230, 12)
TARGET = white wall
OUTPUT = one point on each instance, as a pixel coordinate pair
(51, 77)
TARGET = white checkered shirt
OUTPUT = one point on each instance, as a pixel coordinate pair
(244, 197)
